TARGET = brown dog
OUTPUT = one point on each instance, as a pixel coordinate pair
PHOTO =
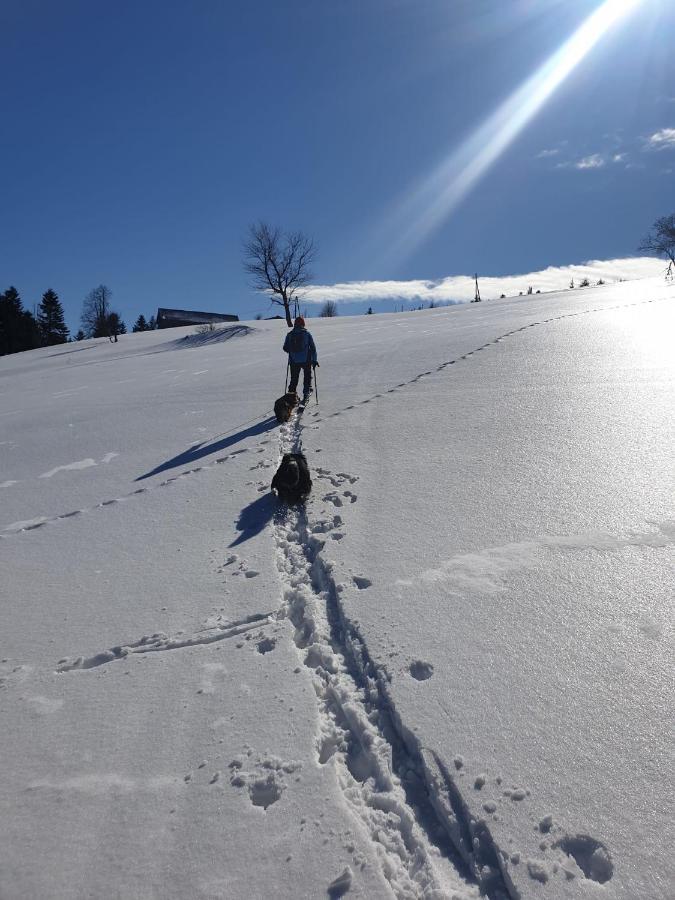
(283, 407)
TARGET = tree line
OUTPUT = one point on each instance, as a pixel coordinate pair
(20, 329)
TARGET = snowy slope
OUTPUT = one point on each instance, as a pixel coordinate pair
(453, 670)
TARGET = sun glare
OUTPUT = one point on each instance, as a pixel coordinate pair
(431, 202)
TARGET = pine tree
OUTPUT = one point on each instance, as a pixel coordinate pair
(10, 311)
(18, 328)
(141, 324)
(80, 336)
(53, 329)
(114, 325)
(152, 323)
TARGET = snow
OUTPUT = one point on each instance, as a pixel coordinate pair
(451, 671)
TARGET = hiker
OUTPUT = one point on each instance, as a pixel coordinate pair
(299, 345)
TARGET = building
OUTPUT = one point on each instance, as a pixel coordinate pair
(173, 318)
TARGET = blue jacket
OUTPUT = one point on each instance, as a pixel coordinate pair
(299, 344)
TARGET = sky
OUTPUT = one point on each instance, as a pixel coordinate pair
(414, 140)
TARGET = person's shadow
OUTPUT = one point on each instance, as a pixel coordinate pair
(198, 451)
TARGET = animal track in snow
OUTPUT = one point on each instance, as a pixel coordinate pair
(361, 582)
(420, 670)
(325, 525)
(16, 528)
(341, 885)
(267, 780)
(338, 479)
(590, 855)
(266, 645)
(333, 498)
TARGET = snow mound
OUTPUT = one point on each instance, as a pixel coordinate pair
(217, 336)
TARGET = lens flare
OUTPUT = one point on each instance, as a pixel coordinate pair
(432, 201)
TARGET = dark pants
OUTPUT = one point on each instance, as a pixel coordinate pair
(295, 375)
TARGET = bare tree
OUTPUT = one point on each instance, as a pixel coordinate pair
(329, 310)
(96, 311)
(661, 239)
(278, 263)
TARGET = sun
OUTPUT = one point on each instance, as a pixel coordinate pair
(425, 207)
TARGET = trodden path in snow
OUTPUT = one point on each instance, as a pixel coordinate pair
(384, 779)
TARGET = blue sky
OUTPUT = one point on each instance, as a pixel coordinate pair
(141, 138)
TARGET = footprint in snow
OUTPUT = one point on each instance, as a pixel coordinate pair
(341, 885)
(266, 783)
(266, 645)
(361, 582)
(590, 855)
(420, 670)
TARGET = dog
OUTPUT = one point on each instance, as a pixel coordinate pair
(291, 480)
(283, 407)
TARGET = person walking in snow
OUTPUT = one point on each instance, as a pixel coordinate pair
(299, 345)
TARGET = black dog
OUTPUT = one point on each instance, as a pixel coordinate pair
(283, 407)
(291, 481)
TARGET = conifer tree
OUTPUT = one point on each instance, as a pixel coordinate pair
(114, 325)
(18, 328)
(141, 324)
(152, 323)
(53, 329)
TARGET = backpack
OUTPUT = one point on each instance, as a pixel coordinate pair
(292, 481)
(296, 341)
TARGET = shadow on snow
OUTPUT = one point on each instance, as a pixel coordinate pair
(254, 517)
(199, 451)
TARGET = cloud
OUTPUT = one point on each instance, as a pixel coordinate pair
(618, 157)
(545, 154)
(661, 139)
(461, 288)
(595, 161)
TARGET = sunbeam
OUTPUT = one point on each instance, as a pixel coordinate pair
(428, 204)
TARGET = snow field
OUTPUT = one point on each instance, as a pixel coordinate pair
(449, 672)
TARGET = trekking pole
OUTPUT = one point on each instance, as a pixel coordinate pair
(316, 386)
(288, 365)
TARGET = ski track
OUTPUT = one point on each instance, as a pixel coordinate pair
(39, 521)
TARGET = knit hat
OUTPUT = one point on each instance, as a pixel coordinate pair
(300, 322)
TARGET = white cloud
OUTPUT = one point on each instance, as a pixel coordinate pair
(662, 139)
(544, 154)
(595, 161)
(618, 157)
(460, 288)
